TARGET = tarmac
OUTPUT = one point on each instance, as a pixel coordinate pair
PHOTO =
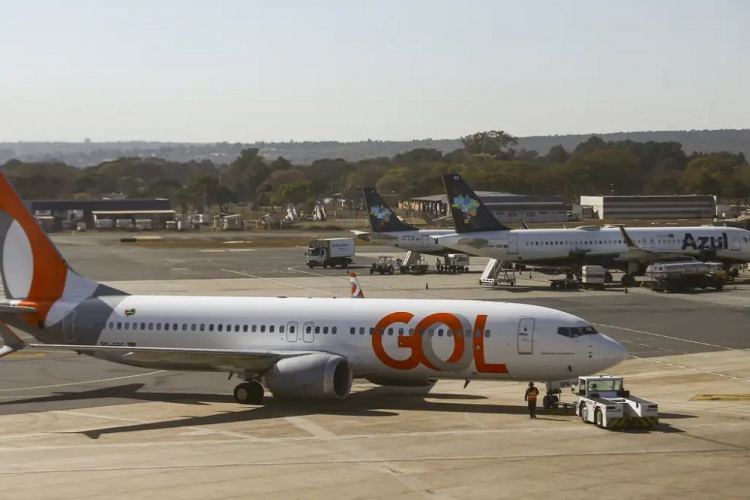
(74, 428)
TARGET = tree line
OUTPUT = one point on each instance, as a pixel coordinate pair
(490, 161)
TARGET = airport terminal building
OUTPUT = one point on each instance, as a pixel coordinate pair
(506, 207)
(57, 215)
(649, 207)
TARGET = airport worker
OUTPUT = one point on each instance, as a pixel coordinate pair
(530, 396)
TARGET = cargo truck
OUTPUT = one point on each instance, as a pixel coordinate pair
(684, 276)
(330, 252)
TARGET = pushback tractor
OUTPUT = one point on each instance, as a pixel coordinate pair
(604, 401)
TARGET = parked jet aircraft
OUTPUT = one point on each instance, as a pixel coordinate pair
(295, 347)
(390, 230)
(479, 232)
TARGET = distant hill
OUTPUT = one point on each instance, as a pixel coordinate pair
(92, 153)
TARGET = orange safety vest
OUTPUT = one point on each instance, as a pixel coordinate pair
(531, 394)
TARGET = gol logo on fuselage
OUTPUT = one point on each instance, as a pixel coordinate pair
(422, 351)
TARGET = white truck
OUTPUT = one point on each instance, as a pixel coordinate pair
(330, 252)
(603, 400)
(684, 276)
(593, 277)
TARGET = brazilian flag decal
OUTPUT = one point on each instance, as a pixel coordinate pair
(130, 312)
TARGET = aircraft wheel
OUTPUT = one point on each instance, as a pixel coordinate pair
(627, 280)
(546, 402)
(248, 393)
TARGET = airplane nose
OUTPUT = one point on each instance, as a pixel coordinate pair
(610, 352)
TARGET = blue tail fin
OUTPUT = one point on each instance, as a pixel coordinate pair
(470, 215)
(382, 218)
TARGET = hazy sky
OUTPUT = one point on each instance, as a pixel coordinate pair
(244, 70)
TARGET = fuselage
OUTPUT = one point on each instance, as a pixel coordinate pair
(379, 337)
(421, 240)
(603, 246)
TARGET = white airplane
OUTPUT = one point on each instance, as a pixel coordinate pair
(295, 347)
(388, 229)
(479, 232)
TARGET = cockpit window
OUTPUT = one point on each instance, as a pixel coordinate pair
(576, 331)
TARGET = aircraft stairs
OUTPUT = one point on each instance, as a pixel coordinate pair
(498, 272)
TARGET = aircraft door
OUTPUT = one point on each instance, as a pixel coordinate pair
(69, 326)
(512, 244)
(291, 332)
(425, 241)
(308, 332)
(735, 244)
(526, 336)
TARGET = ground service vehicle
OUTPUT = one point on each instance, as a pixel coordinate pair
(684, 276)
(455, 263)
(604, 401)
(330, 252)
(593, 277)
(384, 265)
(414, 266)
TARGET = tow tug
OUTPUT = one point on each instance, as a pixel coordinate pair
(603, 401)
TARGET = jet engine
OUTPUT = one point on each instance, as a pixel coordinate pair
(319, 375)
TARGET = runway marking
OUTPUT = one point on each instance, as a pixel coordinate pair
(676, 365)
(667, 337)
(721, 397)
(279, 282)
(317, 461)
(83, 382)
(179, 269)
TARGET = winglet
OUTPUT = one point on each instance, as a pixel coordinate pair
(628, 241)
(525, 226)
(11, 342)
(356, 288)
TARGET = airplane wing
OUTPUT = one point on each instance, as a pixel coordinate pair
(255, 361)
(14, 307)
(474, 242)
(368, 236)
(639, 254)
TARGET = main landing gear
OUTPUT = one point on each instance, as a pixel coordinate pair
(249, 393)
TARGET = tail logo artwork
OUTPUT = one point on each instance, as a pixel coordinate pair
(467, 205)
(382, 214)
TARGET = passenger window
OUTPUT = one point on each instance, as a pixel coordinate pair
(229, 328)
(158, 326)
(193, 327)
(486, 333)
(361, 330)
(432, 332)
(390, 331)
(262, 328)
(119, 325)
(308, 329)
(440, 332)
(281, 329)
(166, 327)
(184, 327)
(292, 329)
(244, 328)
(372, 331)
(400, 331)
(449, 333)
(236, 328)
(254, 328)
(333, 330)
(202, 327)
(127, 325)
(411, 332)
(143, 326)
(150, 326)
(219, 327)
(174, 326)
(211, 327)
(111, 325)
(270, 328)
(317, 329)
(325, 329)
(352, 330)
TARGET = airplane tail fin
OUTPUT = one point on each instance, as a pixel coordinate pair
(469, 213)
(356, 288)
(382, 218)
(34, 274)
